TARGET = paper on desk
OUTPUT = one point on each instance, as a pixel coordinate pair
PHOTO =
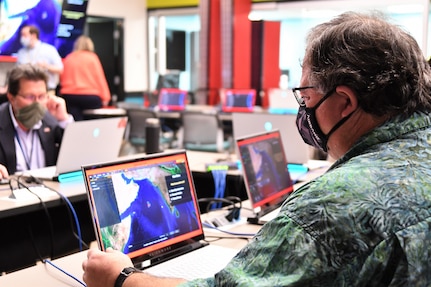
(23, 194)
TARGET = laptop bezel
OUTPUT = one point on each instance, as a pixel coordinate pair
(156, 253)
(249, 93)
(263, 207)
(180, 106)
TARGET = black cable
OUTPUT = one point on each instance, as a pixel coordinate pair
(46, 261)
(72, 215)
(230, 200)
(70, 210)
(48, 216)
(33, 242)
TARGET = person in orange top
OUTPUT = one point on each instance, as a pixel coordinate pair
(83, 83)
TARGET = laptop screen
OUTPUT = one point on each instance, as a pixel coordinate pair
(144, 207)
(282, 101)
(172, 99)
(235, 100)
(265, 170)
(295, 149)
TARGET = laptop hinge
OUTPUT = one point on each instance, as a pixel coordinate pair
(171, 254)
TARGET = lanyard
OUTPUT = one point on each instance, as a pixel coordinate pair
(25, 154)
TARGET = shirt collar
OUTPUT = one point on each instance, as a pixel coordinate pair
(394, 128)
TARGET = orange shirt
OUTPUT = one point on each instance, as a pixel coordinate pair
(83, 75)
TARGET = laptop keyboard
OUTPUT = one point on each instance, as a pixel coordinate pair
(201, 263)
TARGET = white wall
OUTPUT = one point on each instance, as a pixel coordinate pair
(134, 13)
(297, 17)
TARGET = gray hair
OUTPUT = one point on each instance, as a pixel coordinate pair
(381, 62)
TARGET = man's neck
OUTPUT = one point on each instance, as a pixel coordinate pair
(348, 134)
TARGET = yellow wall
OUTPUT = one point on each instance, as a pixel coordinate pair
(153, 4)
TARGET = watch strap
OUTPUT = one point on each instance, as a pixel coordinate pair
(124, 274)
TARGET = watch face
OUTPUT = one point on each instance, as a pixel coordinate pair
(129, 270)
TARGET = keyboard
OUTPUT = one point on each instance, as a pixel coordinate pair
(201, 263)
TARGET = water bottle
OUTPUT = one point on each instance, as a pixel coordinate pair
(152, 135)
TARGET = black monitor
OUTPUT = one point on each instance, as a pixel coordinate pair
(62, 23)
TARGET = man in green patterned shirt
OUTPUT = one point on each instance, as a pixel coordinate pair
(365, 98)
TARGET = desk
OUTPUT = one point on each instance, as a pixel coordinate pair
(45, 275)
(123, 106)
(24, 223)
(26, 226)
(74, 191)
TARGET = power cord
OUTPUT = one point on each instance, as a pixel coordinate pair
(32, 179)
(233, 201)
(46, 261)
(45, 208)
(49, 262)
(71, 211)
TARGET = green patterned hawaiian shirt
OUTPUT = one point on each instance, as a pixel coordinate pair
(365, 222)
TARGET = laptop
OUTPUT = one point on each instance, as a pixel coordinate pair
(84, 142)
(237, 100)
(266, 176)
(282, 101)
(147, 208)
(171, 99)
(297, 152)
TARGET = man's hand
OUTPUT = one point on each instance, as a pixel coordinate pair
(3, 172)
(103, 268)
(57, 107)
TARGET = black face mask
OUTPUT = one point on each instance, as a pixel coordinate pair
(309, 128)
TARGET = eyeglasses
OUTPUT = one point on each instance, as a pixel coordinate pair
(33, 98)
(298, 96)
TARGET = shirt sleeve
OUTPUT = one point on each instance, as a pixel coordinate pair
(67, 121)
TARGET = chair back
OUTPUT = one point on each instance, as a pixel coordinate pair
(201, 131)
(137, 124)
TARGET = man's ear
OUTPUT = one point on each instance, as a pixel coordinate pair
(350, 101)
(10, 97)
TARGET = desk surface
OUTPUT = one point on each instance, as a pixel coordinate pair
(73, 191)
(47, 275)
(122, 110)
(76, 191)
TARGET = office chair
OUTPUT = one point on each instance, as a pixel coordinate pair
(202, 131)
(136, 129)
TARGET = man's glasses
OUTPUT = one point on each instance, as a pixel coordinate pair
(298, 96)
(32, 98)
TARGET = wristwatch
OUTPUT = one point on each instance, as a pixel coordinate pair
(126, 272)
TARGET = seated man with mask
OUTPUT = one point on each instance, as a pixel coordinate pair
(365, 98)
(31, 122)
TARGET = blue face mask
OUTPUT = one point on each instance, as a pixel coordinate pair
(309, 128)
